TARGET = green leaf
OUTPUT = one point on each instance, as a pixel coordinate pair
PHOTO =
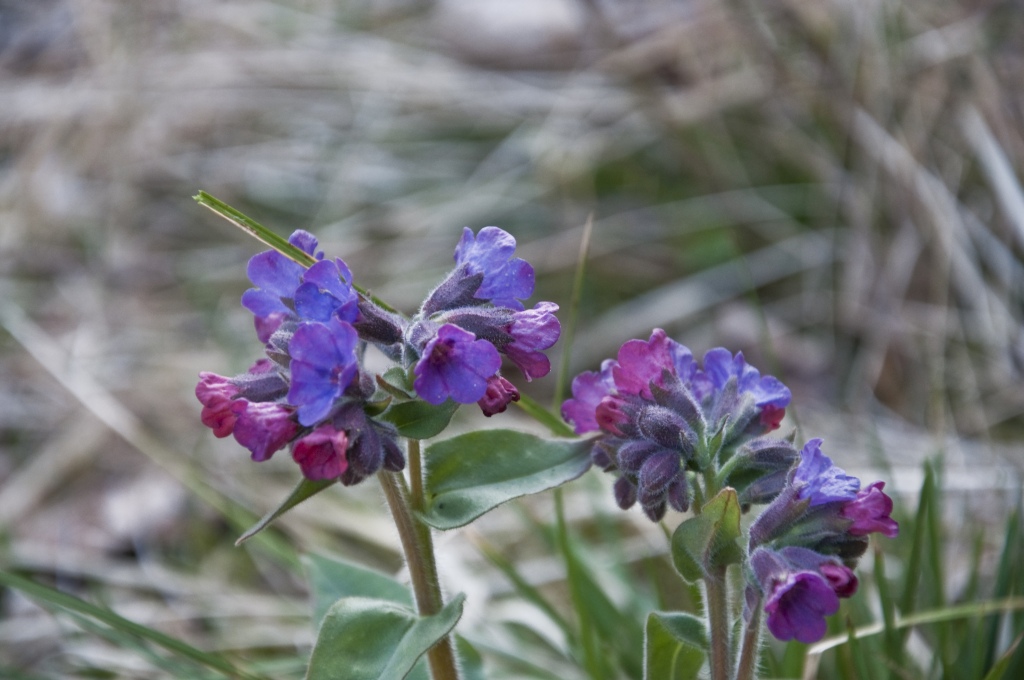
(685, 627)
(395, 381)
(475, 472)
(420, 420)
(255, 229)
(471, 663)
(666, 656)
(363, 638)
(331, 579)
(305, 489)
(118, 623)
(708, 542)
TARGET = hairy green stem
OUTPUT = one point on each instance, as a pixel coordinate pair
(418, 546)
(746, 667)
(717, 606)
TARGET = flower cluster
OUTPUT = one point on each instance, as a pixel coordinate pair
(658, 411)
(672, 428)
(311, 392)
(804, 545)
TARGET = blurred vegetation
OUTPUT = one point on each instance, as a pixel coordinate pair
(832, 187)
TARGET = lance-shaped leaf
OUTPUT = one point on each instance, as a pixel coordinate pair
(707, 543)
(475, 472)
(331, 579)
(304, 490)
(367, 639)
(673, 646)
(420, 420)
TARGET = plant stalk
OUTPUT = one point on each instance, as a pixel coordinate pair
(746, 667)
(717, 604)
(418, 546)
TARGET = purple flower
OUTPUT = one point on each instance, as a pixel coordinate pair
(728, 386)
(326, 291)
(217, 393)
(797, 606)
(500, 393)
(276, 278)
(263, 427)
(798, 597)
(816, 478)
(641, 363)
(654, 401)
(533, 330)
(506, 279)
(588, 389)
(323, 363)
(455, 364)
(870, 512)
(720, 366)
(321, 453)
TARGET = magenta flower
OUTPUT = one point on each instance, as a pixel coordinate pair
(217, 393)
(870, 512)
(500, 393)
(264, 427)
(323, 363)
(455, 364)
(321, 453)
(641, 363)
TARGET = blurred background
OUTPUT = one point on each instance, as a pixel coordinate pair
(831, 186)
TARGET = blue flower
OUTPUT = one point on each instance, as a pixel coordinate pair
(276, 277)
(326, 291)
(455, 364)
(816, 478)
(323, 363)
(506, 280)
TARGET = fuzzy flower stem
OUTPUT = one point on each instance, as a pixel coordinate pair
(717, 602)
(418, 546)
(717, 605)
(746, 666)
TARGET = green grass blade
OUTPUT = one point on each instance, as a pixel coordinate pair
(1003, 664)
(75, 605)
(891, 638)
(255, 229)
(1007, 578)
(931, 616)
(912, 580)
(270, 238)
(572, 314)
(523, 588)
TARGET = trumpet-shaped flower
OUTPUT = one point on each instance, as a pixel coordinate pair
(323, 363)
(455, 364)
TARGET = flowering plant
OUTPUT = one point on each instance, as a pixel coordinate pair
(694, 436)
